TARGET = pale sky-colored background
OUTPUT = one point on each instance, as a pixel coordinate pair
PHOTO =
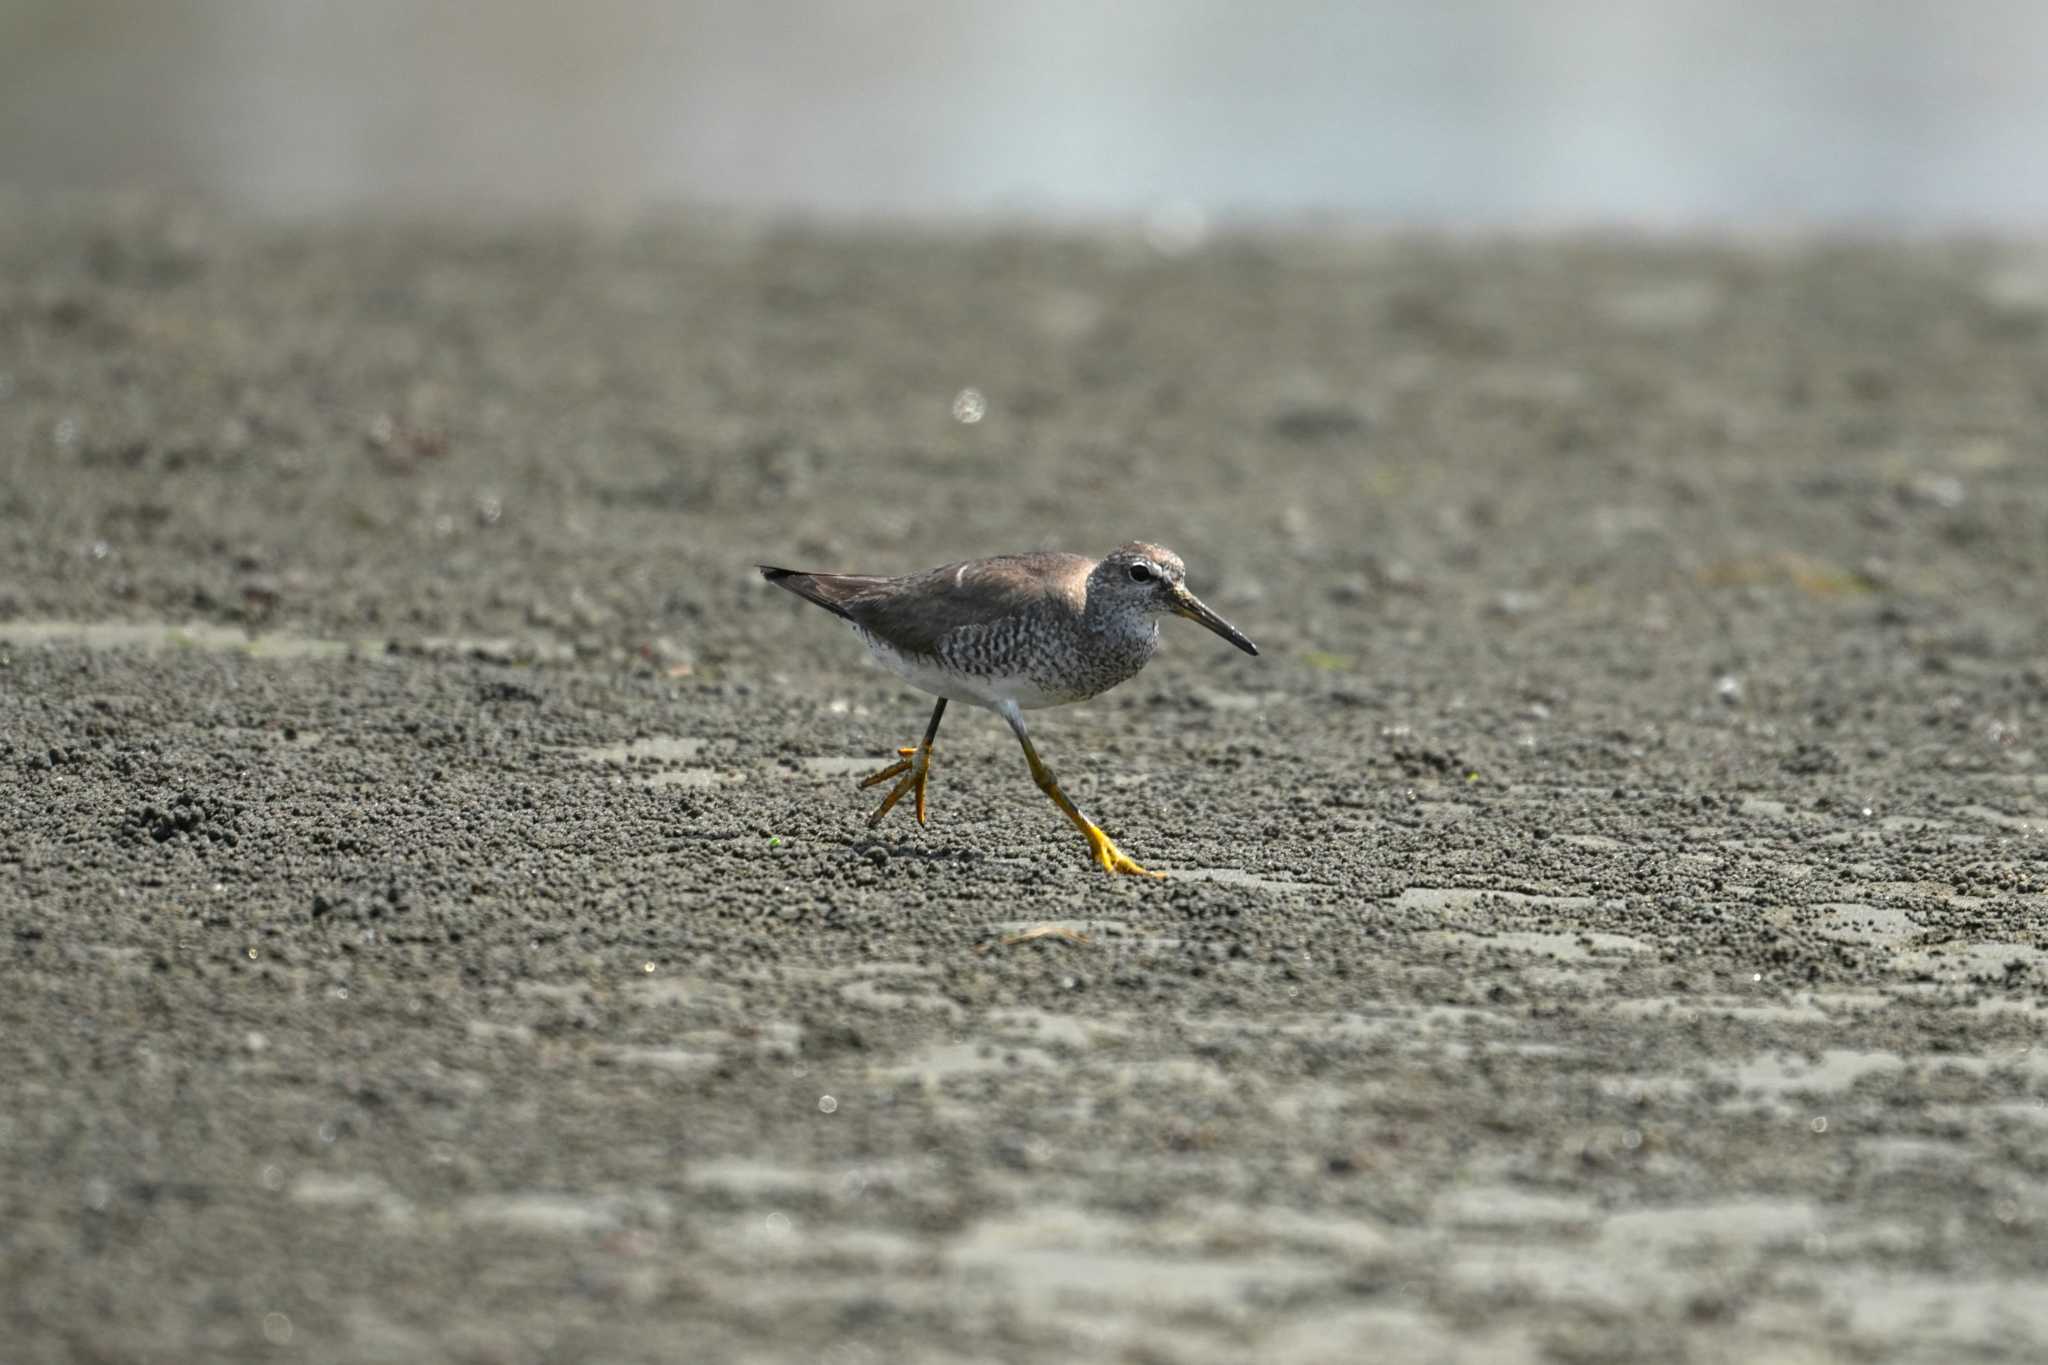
(1491, 113)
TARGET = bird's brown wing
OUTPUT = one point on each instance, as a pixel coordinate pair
(915, 612)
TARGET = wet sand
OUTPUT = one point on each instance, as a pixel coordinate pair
(441, 923)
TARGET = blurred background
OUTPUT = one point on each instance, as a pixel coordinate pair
(1887, 114)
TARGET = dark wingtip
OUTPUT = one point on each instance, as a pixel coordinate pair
(811, 587)
(1251, 649)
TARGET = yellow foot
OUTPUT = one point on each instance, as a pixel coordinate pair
(1110, 856)
(915, 766)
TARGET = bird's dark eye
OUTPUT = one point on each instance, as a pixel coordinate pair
(1141, 573)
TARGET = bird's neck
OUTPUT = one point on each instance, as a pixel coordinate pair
(1132, 631)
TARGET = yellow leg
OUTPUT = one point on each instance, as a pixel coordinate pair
(914, 767)
(1107, 854)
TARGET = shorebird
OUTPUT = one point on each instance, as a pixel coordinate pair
(1015, 633)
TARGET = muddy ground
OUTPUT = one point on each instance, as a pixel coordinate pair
(440, 924)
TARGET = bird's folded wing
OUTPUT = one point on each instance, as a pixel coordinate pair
(914, 614)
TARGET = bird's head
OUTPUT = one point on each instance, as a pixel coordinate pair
(1150, 578)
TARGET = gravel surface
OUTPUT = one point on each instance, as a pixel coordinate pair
(440, 922)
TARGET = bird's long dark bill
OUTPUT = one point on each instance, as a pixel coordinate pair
(1190, 606)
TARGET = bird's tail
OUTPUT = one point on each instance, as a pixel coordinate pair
(822, 588)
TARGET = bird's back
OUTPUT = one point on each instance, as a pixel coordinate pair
(916, 613)
(1011, 628)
